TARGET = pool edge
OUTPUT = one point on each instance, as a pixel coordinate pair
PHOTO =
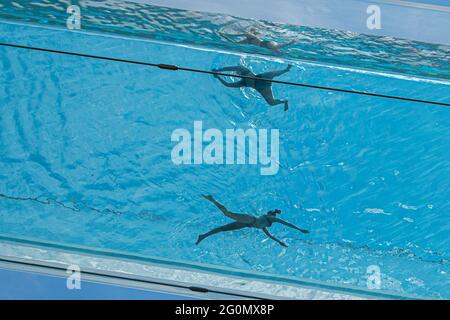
(151, 270)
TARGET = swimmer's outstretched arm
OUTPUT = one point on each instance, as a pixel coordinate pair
(289, 225)
(233, 68)
(272, 74)
(273, 238)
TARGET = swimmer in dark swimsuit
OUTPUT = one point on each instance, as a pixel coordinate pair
(262, 86)
(253, 37)
(243, 220)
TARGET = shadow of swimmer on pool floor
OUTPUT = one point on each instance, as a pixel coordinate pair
(264, 87)
(243, 220)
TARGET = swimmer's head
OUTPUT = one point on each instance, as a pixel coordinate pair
(254, 31)
(274, 212)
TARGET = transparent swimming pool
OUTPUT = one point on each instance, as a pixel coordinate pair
(86, 145)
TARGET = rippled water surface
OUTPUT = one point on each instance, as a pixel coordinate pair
(85, 150)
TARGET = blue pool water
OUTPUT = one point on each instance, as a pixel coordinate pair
(85, 155)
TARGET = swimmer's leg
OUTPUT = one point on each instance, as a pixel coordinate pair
(238, 70)
(268, 96)
(273, 238)
(243, 41)
(237, 84)
(239, 217)
(226, 37)
(227, 227)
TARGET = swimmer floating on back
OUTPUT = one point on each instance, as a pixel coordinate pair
(264, 87)
(253, 37)
(243, 220)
